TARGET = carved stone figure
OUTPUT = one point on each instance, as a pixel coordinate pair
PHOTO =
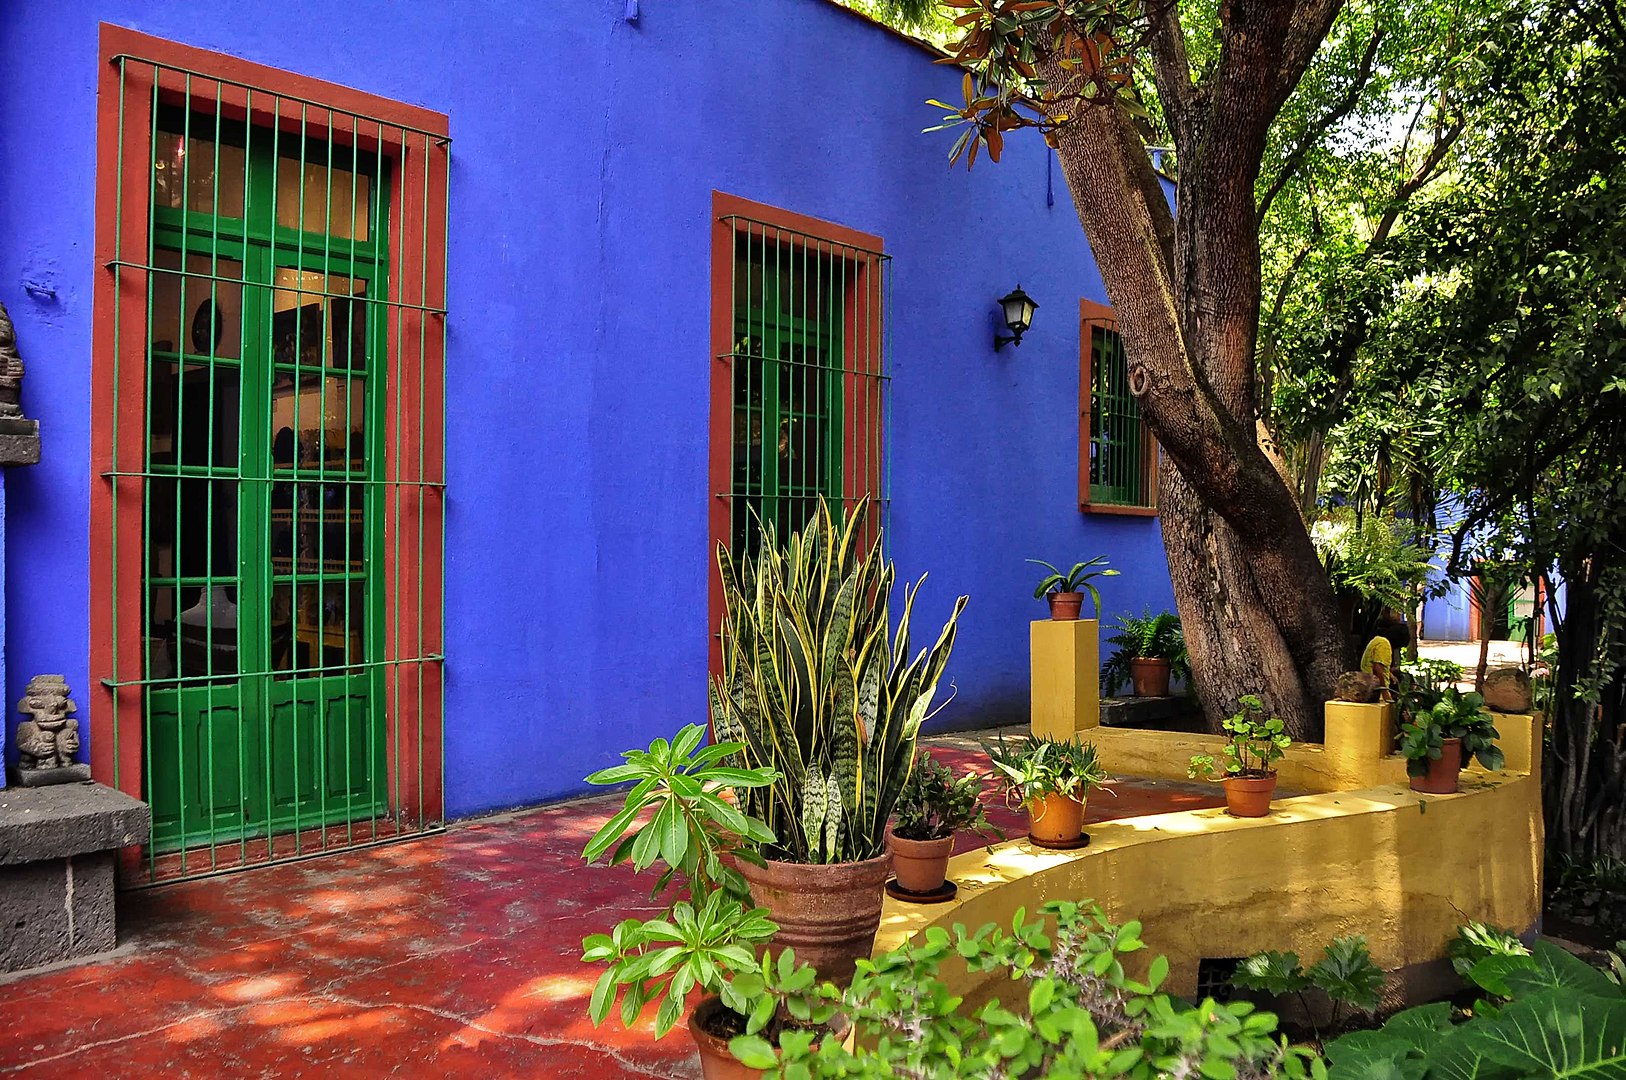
(11, 368)
(1357, 686)
(19, 436)
(49, 737)
(1507, 690)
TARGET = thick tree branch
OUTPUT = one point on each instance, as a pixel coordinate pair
(1432, 165)
(1171, 68)
(1314, 133)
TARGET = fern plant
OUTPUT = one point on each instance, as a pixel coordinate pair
(814, 687)
(1151, 636)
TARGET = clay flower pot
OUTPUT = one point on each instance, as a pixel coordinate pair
(1065, 606)
(1150, 676)
(921, 866)
(1056, 818)
(1249, 796)
(716, 1063)
(827, 913)
(1442, 775)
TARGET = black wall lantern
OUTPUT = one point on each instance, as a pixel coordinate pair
(1018, 308)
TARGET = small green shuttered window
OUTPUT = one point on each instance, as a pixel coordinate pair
(1117, 466)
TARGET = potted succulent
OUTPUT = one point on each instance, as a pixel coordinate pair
(1151, 649)
(815, 686)
(677, 816)
(1065, 590)
(934, 806)
(1437, 741)
(1257, 741)
(1052, 779)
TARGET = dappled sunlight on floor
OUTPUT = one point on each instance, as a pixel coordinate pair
(455, 954)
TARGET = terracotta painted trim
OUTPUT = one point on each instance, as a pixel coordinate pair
(414, 139)
(865, 354)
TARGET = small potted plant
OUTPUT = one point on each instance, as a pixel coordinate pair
(1257, 741)
(1052, 779)
(1065, 590)
(1437, 741)
(933, 807)
(709, 937)
(1151, 649)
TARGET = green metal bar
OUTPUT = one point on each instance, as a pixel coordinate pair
(180, 436)
(268, 689)
(148, 778)
(423, 297)
(118, 288)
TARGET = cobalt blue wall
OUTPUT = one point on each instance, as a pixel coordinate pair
(585, 153)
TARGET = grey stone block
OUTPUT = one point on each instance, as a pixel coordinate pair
(63, 820)
(63, 774)
(19, 442)
(55, 910)
(1173, 713)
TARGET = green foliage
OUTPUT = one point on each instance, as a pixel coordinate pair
(1345, 974)
(1257, 741)
(1564, 1018)
(1476, 941)
(1036, 766)
(1077, 1013)
(1078, 579)
(813, 687)
(935, 804)
(1376, 563)
(1454, 715)
(1157, 636)
(674, 813)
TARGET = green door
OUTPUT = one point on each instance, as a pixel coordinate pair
(263, 535)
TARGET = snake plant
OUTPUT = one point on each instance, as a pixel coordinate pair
(816, 689)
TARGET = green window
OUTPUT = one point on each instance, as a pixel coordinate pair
(1120, 455)
(788, 365)
(262, 529)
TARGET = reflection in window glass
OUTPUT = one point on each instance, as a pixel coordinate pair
(212, 174)
(335, 199)
(199, 312)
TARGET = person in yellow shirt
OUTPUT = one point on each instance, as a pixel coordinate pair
(1379, 658)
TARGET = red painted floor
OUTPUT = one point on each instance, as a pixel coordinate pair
(452, 955)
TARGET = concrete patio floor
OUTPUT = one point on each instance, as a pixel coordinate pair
(452, 955)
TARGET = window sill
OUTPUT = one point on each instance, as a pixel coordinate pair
(1122, 511)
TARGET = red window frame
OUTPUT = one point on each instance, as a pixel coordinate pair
(1090, 315)
(863, 333)
(417, 264)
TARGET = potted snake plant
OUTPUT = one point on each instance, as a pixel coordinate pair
(816, 686)
(1065, 589)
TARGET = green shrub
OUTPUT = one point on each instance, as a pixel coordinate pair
(1345, 973)
(1157, 636)
(935, 804)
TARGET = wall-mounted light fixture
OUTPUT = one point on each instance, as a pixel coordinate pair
(1017, 307)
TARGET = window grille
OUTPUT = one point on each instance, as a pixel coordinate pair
(272, 373)
(1214, 975)
(1117, 455)
(805, 377)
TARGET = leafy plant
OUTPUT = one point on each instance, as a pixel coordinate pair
(814, 688)
(1421, 683)
(675, 813)
(1376, 563)
(1256, 742)
(1155, 636)
(1345, 973)
(1078, 579)
(934, 804)
(1563, 1018)
(1476, 941)
(1037, 766)
(1454, 716)
(1078, 1013)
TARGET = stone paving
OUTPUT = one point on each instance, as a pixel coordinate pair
(452, 955)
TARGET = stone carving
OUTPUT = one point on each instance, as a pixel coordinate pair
(11, 368)
(1357, 686)
(49, 737)
(19, 436)
(1507, 690)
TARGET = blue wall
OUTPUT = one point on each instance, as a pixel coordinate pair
(585, 153)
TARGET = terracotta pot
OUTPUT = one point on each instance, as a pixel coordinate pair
(1065, 606)
(1249, 796)
(1442, 775)
(716, 1063)
(1056, 818)
(1150, 676)
(921, 866)
(828, 914)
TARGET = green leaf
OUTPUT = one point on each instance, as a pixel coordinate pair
(753, 1051)
(1558, 1034)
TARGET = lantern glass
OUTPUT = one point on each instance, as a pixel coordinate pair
(1018, 307)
